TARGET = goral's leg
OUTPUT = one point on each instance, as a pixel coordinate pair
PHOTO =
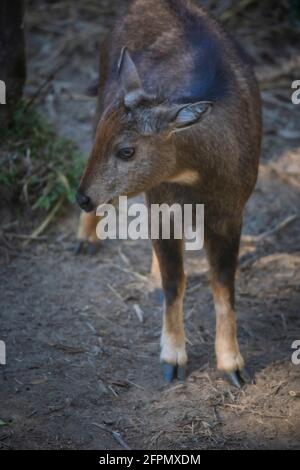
(86, 234)
(222, 253)
(173, 349)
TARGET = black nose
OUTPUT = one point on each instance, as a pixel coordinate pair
(84, 202)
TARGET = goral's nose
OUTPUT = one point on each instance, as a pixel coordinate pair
(84, 201)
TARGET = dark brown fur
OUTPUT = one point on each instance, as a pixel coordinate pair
(179, 55)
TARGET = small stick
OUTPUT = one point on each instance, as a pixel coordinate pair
(273, 231)
(283, 68)
(117, 436)
(45, 84)
(116, 293)
(136, 385)
(46, 222)
(26, 237)
(127, 271)
(139, 312)
(255, 412)
(124, 257)
(10, 225)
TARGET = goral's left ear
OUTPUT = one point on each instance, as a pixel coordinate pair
(182, 116)
(191, 113)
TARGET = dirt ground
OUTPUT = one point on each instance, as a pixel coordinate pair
(82, 333)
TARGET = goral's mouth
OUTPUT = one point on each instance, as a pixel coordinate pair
(114, 200)
(109, 202)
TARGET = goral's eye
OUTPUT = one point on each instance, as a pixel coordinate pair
(126, 153)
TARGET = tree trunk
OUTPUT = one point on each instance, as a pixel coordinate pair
(12, 56)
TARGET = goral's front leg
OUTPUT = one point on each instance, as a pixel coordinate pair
(173, 344)
(86, 235)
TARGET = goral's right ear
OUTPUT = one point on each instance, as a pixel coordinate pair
(130, 80)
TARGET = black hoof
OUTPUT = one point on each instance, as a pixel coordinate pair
(172, 372)
(78, 248)
(85, 247)
(236, 379)
(169, 372)
(248, 377)
(181, 373)
(91, 249)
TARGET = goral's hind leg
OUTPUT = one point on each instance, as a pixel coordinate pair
(155, 271)
(222, 250)
(155, 282)
(86, 234)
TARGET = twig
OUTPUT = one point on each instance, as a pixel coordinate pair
(116, 293)
(273, 231)
(68, 349)
(26, 237)
(267, 74)
(77, 97)
(291, 180)
(10, 225)
(255, 412)
(117, 436)
(136, 385)
(46, 222)
(127, 271)
(45, 84)
(124, 258)
(233, 11)
(139, 312)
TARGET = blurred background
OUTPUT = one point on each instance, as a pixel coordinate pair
(82, 333)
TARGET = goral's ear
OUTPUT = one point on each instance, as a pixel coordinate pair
(180, 117)
(191, 113)
(130, 80)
